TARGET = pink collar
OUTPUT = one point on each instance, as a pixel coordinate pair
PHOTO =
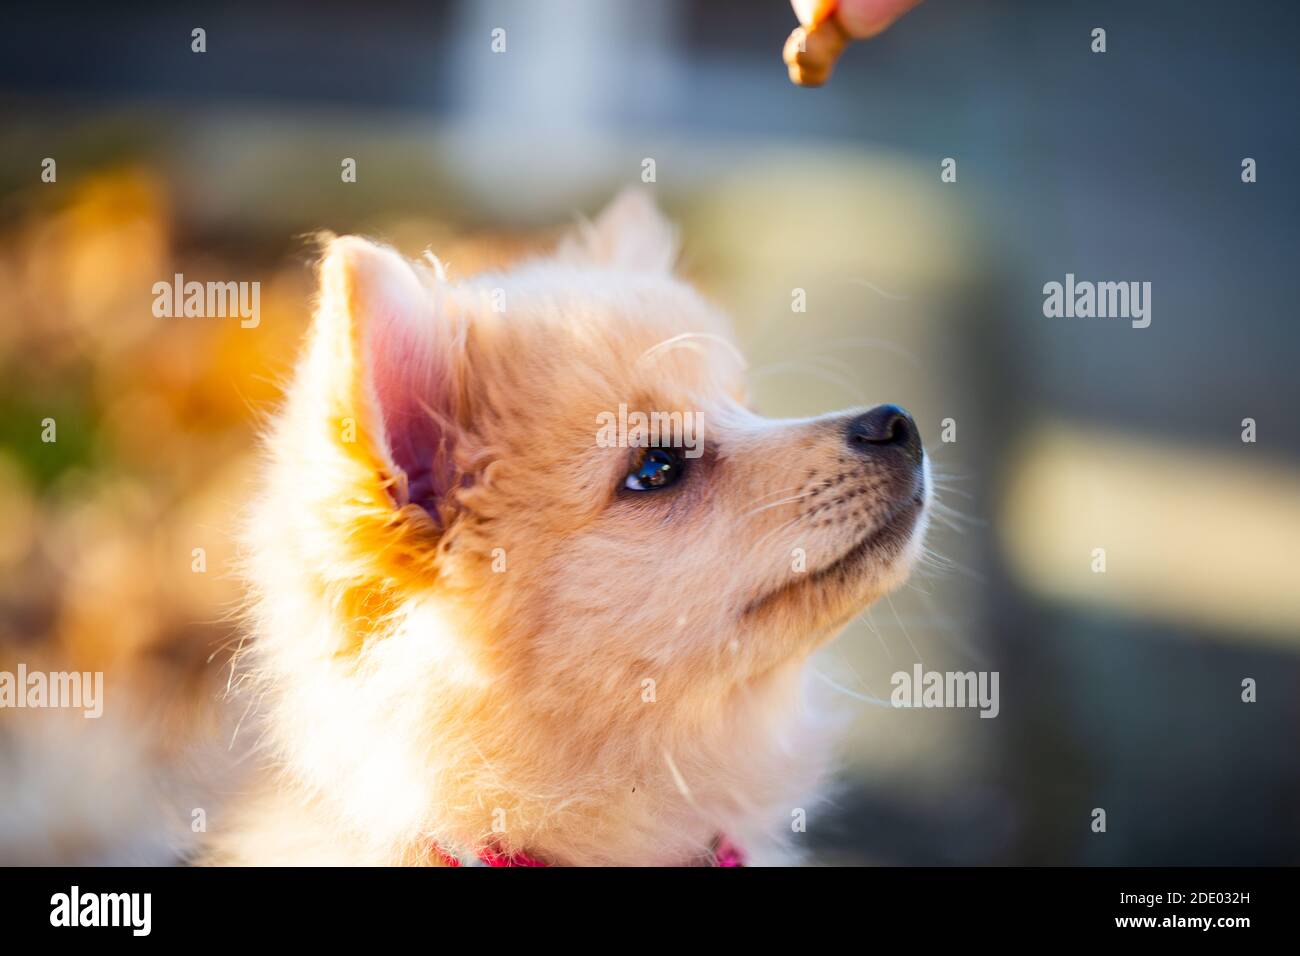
(725, 853)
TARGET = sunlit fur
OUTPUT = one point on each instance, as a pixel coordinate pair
(625, 683)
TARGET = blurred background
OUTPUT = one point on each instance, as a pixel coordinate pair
(1119, 690)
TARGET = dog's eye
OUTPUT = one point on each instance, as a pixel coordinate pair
(655, 468)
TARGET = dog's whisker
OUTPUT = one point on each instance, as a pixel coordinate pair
(779, 529)
(822, 373)
(951, 632)
(861, 341)
(933, 557)
(678, 780)
(690, 340)
(240, 723)
(772, 494)
(865, 698)
(775, 504)
(953, 491)
(950, 511)
(948, 523)
(865, 618)
(959, 523)
(899, 619)
(947, 564)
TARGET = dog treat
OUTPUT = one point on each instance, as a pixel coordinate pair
(812, 50)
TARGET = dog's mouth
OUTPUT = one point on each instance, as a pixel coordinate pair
(887, 539)
(883, 543)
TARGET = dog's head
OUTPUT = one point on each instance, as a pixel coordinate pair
(550, 483)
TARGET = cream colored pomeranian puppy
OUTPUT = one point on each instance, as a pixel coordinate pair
(489, 626)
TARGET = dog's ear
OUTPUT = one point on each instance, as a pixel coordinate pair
(383, 363)
(630, 233)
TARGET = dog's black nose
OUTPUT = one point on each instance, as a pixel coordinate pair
(885, 427)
